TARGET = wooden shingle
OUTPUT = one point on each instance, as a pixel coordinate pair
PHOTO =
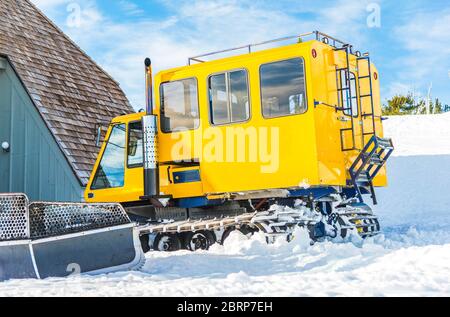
(70, 91)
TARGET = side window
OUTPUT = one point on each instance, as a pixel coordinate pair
(220, 111)
(179, 106)
(111, 170)
(349, 99)
(135, 145)
(283, 89)
(229, 97)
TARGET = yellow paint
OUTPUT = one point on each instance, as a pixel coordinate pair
(310, 143)
(182, 190)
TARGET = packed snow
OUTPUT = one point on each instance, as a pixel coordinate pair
(420, 135)
(411, 257)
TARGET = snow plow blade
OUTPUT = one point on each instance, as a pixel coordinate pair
(42, 240)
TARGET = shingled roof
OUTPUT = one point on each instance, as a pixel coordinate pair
(71, 92)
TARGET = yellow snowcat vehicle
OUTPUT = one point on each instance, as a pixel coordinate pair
(265, 141)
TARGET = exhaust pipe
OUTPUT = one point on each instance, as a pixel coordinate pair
(150, 133)
(149, 86)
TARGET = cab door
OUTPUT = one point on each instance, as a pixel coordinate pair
(180, 136)
(134, 171)
(118, 172)
(108, 181)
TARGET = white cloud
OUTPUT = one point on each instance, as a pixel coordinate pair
(345, 17)
(399, 88)
(130, 8)
(426, 38)
(201, 26)
(46, 4)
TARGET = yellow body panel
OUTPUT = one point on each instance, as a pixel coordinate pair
(309, 144)
(180, 190)
(333, 162)
(297, 145)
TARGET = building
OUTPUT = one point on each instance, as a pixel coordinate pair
(53, 98)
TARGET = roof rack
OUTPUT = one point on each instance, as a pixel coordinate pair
(319, 36)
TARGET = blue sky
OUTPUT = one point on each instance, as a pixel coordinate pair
(410, 46)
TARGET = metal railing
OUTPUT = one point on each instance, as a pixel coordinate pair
(319, 36)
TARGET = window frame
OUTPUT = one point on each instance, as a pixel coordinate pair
(103, 154)
(210, 112)
(132, 166)
(306, 88)
(161, 104)
(341, 95)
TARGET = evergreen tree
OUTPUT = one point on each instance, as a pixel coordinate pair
(438, 107)
(405, 105)
(400, 105)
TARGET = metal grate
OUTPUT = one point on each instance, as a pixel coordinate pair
(13, 217)
(56, 219)
(150, 142)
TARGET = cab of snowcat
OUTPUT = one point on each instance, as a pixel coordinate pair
(249, 126)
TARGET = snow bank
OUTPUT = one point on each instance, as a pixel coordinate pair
(419, 135)
(419, 174)
(377, 267)
(418, 193)
(412, 257)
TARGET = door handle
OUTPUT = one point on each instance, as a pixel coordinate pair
(344, 119)
(5, 147)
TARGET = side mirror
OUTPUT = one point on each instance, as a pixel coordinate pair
(98, 137)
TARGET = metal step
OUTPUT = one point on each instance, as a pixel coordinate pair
(363, 178)
(369, 163)
(376, 160)
(385, 143)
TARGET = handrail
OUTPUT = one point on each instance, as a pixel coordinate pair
(318, 35)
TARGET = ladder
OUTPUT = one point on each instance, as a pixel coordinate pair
(368, 164)
(375, 153)
(363, 97)
(344, 87)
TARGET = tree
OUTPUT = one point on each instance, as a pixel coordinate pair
(438, 107)
(400, 105)
(406, 105)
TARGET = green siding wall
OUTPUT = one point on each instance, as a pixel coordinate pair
(35, 164)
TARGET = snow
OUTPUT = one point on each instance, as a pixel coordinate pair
(420, 135)
(410, 258)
